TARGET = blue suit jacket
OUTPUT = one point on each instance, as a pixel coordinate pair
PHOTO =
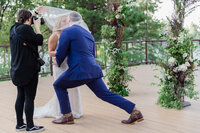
(79, 45)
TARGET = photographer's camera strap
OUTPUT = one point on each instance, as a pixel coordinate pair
(18, 37)
(24, 43)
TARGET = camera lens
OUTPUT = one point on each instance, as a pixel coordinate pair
(42, 21)
(35, 18)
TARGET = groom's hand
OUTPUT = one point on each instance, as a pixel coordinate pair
(55, 62)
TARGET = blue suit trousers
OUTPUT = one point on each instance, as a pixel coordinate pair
(99, 89)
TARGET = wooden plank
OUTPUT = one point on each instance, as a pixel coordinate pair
(101, 117)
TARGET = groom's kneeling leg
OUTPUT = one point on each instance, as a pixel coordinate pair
(101, 91)
(63, 99)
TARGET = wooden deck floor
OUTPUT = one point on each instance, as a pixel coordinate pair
(101, 117)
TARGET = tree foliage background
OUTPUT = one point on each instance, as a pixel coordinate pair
(93, 12)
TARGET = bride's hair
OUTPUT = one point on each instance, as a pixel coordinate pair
(57, 26)
(23, 15)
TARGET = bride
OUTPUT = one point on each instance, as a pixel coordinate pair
(56, 20)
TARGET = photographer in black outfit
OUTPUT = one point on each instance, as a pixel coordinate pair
(25, 67)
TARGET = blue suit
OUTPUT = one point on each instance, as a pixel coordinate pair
(79, 45)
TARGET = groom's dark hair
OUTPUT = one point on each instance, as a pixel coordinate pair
(75, 16)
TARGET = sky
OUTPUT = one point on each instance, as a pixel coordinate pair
(166, 9)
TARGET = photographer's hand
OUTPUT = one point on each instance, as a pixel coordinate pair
(37, 24)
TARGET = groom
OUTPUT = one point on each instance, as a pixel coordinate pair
(79, 45)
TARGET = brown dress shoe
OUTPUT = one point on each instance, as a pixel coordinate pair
(64, 120)
(136, 116)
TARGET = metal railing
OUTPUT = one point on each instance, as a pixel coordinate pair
(139, 53)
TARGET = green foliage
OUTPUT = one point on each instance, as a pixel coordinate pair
(45, 75)
(168, 100)
(108, 31)
(8, 79)
(117, 71)
(178, 67)
(4, 33)
(117, 74)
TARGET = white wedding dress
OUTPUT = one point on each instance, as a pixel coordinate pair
(52, 108)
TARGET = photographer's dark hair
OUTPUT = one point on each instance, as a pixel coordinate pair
(23, 15)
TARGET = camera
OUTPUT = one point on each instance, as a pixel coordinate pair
(35, 18)
(40, 61)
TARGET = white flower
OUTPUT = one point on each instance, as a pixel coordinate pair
(185, 55)
(113, 9)
(113, 42)
(175, 70)
(107, 19)
(181, 39)
(172, 61)
(119, 9)
(169, 77)
(182, 68)
(187, 64)
(187, 79)
(115, 50)
(117, 16)
(190, 59)
(127, 5)
(133, 4)
(166, 75)
(195, 65)
(104, 41)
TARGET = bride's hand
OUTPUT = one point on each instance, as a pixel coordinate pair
(55, 62)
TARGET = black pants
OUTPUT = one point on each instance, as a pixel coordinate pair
(25, 97)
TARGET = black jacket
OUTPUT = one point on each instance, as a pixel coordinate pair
(23, 60)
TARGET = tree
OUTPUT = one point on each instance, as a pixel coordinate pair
(8, 10)
(136, 22)
(93, 12)
(4, 4)
(181, 9)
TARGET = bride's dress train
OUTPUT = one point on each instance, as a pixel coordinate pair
(52, 108)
